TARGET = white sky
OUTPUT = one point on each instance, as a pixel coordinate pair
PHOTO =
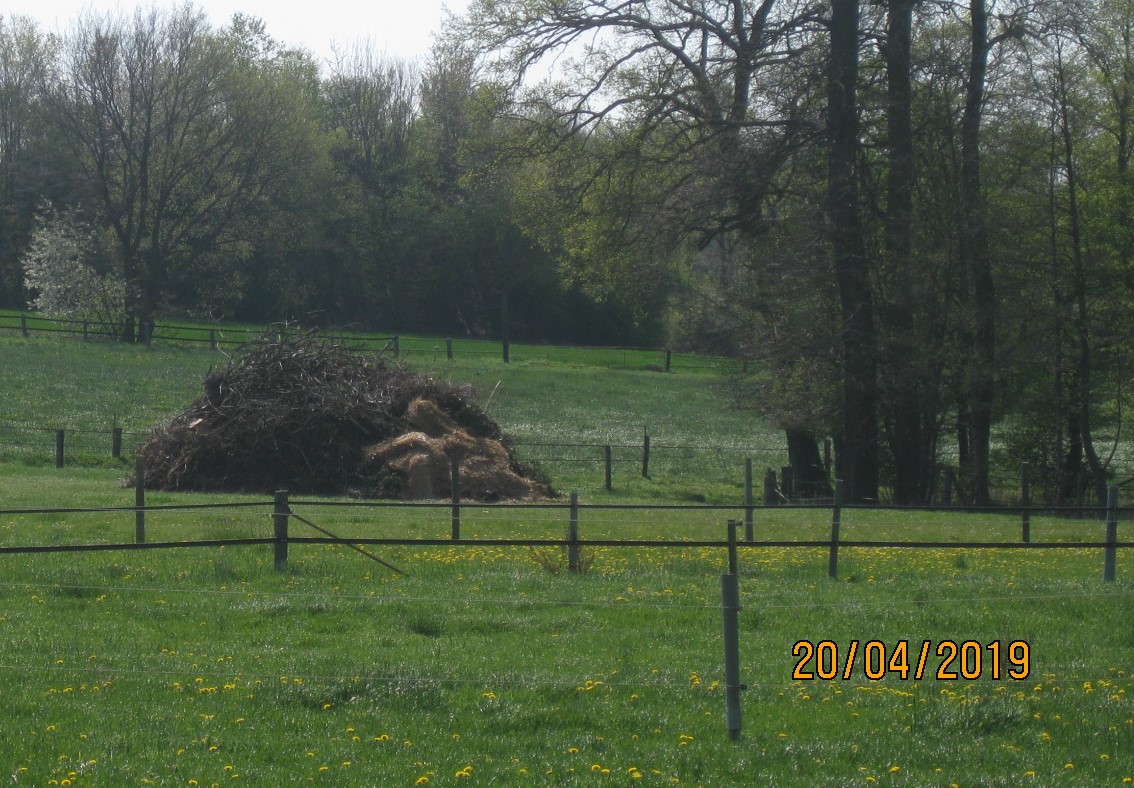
(397, 28)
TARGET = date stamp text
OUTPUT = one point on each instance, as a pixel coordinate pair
(944, 660)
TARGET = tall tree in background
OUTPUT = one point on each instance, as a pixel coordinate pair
(908, 422)
(26, 57)
(858, 455)
(180, 134)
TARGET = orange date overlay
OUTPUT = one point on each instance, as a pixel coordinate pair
(944, 660)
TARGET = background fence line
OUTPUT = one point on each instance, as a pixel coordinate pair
(659, 359)
(657, 459)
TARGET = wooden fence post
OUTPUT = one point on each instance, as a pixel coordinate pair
(646, 455)
(836, 524)
(139, 499)
(59, 438)
(748, 531)
(449, 349)
(280, 515)
(213, 338)
(397, 347)
(1111, 533)
(573, 536)
(608, 462)
(1025, 504)
(116, 443)
(668, 360)
(455, 488)
(85, 329)
(24, 325)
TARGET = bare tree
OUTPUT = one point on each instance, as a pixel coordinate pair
(180, 135)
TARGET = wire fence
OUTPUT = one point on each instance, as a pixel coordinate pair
(738, 534)
(560, 526)
(730, 466)
(657, 359)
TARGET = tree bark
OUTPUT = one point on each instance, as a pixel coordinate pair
(908, 396)
(806, 461)
(858, 466)
(978, 266)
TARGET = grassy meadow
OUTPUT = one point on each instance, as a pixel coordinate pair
(494, 666)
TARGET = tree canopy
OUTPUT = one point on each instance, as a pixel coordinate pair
(914, 218)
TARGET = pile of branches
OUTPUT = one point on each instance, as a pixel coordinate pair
(301, 414)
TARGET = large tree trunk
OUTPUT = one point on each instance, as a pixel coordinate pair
(908, 398)
(808, 471)
(1082, 392)
(981, 340)
(858, 460)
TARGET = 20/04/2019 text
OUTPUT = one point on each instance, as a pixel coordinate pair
(949, 661)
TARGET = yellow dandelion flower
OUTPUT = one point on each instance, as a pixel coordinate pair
(422, 780)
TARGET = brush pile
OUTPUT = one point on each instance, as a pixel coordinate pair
(308, 416)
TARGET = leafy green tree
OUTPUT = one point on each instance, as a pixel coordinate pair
(26, 56)
(181, 133)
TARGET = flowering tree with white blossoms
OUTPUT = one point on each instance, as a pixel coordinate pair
(59, 265)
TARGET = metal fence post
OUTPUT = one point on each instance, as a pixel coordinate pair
(59, 438)
(139, 499)
(455, 488)
(573, 536)
(646, 455)
(836, 524)
(730, 610)
(280, 516)
(1111, 533)
(748, 531)
(1025, 504)
(608, 462)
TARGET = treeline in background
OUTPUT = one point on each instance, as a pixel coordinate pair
(915, 218)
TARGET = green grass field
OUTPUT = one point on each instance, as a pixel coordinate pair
(490, 665)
